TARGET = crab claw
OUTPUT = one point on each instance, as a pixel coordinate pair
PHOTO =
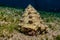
(32, 33)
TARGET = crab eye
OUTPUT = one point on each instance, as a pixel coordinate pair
(39, 29)
(30, 22)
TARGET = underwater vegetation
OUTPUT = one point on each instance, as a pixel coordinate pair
(10, 18)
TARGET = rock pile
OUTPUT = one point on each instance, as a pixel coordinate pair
(31, 22)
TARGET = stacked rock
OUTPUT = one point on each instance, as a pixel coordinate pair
(31, 22)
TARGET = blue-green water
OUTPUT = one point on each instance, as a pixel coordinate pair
(46, 5)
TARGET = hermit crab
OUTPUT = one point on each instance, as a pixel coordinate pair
(31, 22)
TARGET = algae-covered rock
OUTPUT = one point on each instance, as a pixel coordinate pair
(31, 22)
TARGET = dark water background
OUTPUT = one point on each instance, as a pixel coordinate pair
(45, 5)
